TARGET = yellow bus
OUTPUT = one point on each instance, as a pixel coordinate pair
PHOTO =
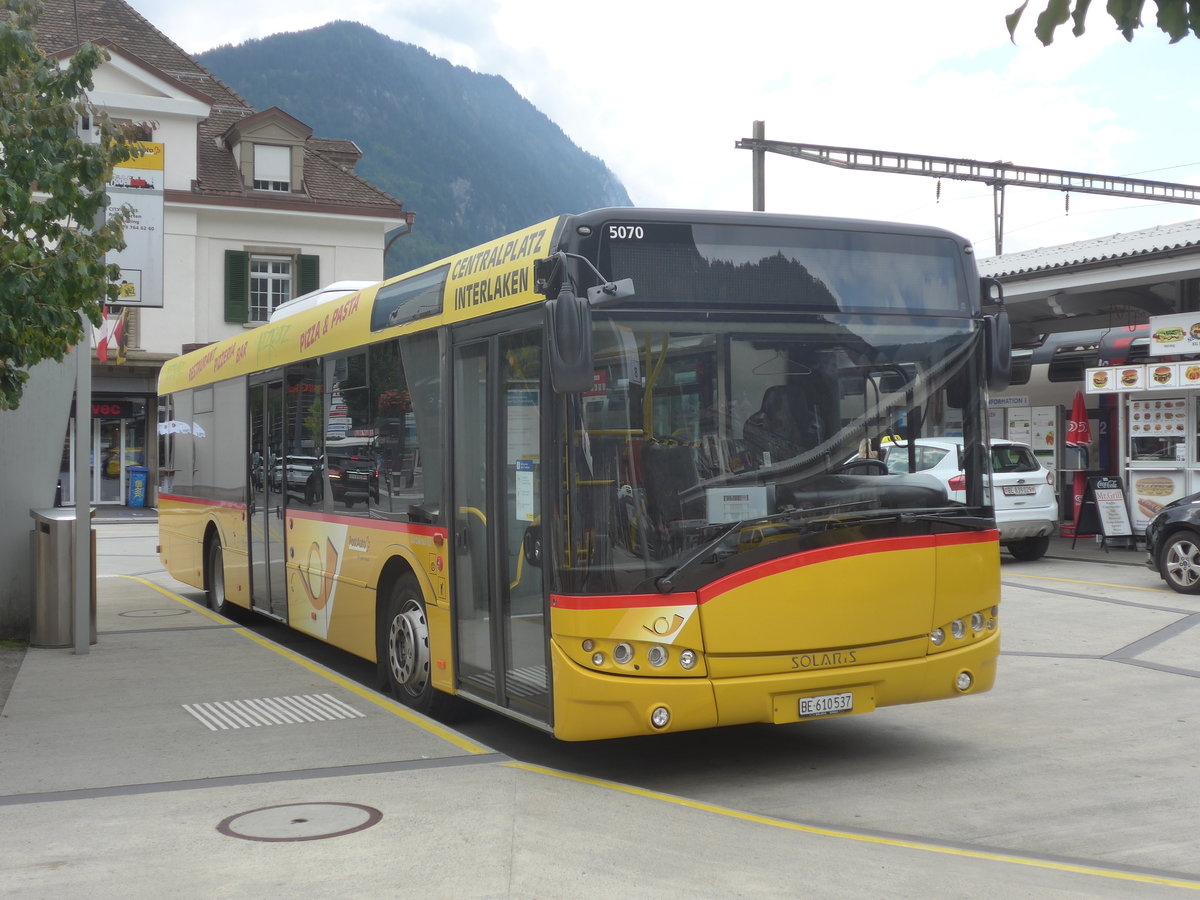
(613, 474)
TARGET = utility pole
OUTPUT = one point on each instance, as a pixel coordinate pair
(759, 164)
(997, 174)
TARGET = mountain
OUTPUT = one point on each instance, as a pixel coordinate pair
(465, 152)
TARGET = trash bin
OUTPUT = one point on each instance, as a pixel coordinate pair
(138, 476)
(51, 615)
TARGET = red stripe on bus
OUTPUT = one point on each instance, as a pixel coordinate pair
(378, 524)
(200, 501)
(842, 551)
(775, 566)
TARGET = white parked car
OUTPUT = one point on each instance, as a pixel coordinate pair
(1022, 488)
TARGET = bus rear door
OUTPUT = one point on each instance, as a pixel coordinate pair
(268, 483)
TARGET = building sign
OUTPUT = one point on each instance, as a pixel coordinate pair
(1170, 335)
(110, 409)
(1151, 377)
(998, 402)
(138, 184)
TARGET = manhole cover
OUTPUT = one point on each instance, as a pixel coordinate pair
(300, 821)
(153, 613)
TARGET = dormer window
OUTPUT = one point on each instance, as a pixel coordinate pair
(272, 168)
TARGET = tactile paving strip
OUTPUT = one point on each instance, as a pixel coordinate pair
(224, 715)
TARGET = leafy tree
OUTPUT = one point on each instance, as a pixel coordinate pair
(1175, 17)
(51, 191)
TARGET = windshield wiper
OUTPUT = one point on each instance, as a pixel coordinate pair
(666, 582)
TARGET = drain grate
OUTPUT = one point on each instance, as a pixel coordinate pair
(224, 715)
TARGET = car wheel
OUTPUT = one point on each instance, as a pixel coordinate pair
(1029, 549)
(1179, 562)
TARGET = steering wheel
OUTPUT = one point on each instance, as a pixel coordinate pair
(863, 466)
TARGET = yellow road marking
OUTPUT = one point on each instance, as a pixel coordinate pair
(1124, 587)
(862, 838)
(357, 689)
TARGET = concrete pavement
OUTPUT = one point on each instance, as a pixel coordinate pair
(187, 755)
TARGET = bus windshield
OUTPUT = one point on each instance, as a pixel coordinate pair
(736, 438)
(719, 266)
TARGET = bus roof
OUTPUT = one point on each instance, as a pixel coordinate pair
(319, 296)
(492, 277)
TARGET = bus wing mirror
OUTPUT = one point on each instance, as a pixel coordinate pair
(569, 338)
(998, 346)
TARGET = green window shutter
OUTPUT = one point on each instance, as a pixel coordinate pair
(309, 274)
(237, 286)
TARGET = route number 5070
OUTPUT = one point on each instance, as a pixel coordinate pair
(626, 232)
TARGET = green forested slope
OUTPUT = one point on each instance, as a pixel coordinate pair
(464, 151)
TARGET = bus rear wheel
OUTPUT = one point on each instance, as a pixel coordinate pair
(217, 600)
(403, 639)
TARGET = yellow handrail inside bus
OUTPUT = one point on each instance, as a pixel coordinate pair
(651, 378)
(472, 511)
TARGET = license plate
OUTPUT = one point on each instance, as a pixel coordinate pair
(358, 476)
(1017, 489)
(826, 705)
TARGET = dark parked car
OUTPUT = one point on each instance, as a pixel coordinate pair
(1173, 544)
(352, 476)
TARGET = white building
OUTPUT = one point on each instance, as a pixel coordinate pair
(254, 211)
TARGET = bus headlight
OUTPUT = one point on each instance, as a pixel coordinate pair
(622, 653)
(657, 656)
(661, 717)
(597, 658)
(937, 636)
(964, 681)
(687, 659)
(977, 622)
(958, 629)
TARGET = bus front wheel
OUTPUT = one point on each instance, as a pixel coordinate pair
(404, 647)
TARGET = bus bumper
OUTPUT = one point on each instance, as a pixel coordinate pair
(591, 705)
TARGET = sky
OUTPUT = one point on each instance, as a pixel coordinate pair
(661, 90)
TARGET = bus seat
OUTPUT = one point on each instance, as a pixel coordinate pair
(785, 423)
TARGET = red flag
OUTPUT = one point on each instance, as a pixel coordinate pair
(102, 337)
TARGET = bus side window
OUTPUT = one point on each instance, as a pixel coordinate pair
(407, 418)
(297, 472)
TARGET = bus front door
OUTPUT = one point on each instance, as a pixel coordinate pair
(268, 592)
(499, 604)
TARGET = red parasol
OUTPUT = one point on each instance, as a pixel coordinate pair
(1079, 431)
(1079, 434)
